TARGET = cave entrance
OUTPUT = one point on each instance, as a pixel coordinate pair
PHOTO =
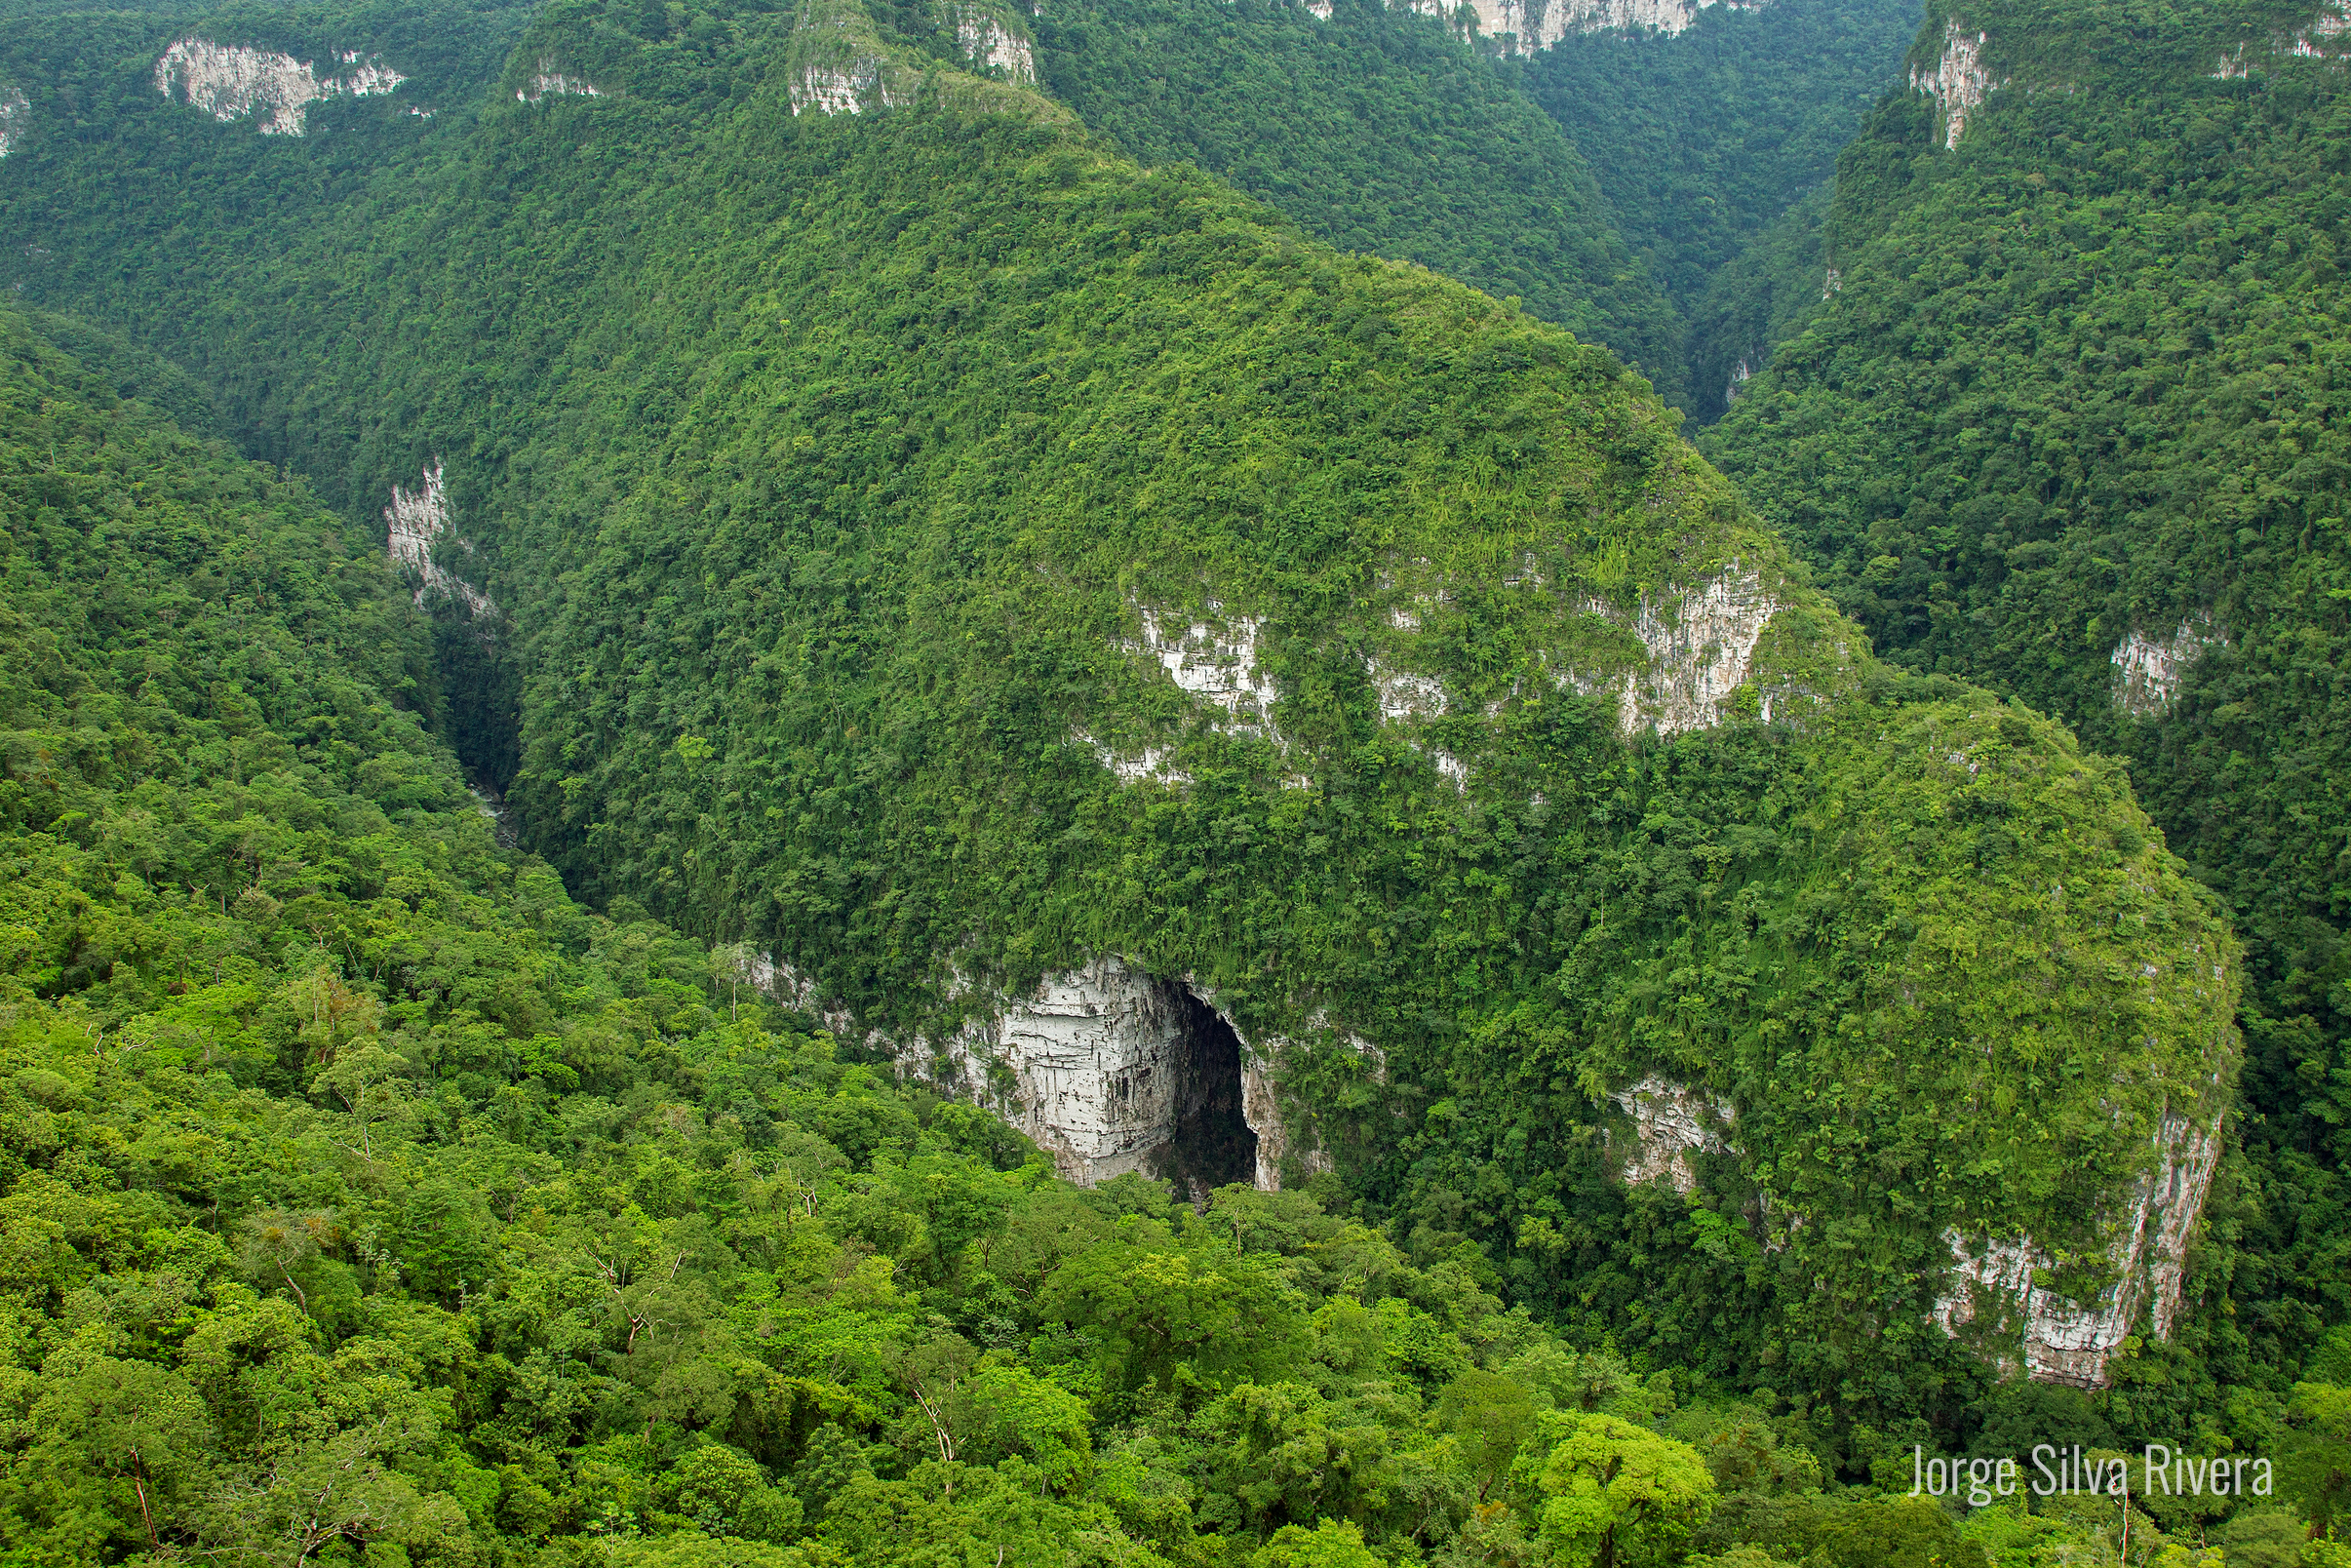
(1212, 1145)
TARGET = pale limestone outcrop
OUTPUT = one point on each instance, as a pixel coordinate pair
(1404, 695)
(1215, 661)
(989, 45)
(2063, 1340)
(2150, 669)
(1702, 645)
(1959, 83)
(550, 78)
(1319, 9)
(15, 114)
(1671, 1123)
(231, 82)
(2322, 39)
(1101, 1067)
(1155, 763)
(413, 521)
(1741, 373)
(1525, 25)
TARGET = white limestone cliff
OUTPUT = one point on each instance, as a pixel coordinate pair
(1671, 1123)
(413, 521)
(1215, 661)
(1959, 83)
(2060, 1340)
(231, 82)
(1098, 1066)
(1526, 25)
(1702, 645)
(1697, 646)
(550, 78)
(989, 45)
(15, 114)
(2150, 669)
(844, 89)
(2323, 38)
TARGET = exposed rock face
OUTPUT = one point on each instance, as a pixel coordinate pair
(15, 114)
(1216, 663)
(2065, 1341)
(1531, 24)
(1958, 83)
(1113, 1071)
(230, 82)
(839, 64)
(2151, 669)
(415, 522)
(2324, 37)
(1671, 1123)
(991, 46)
(551, 79)
(1700, 647)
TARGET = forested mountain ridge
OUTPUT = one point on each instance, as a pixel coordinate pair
(937, 554)
(1378, 130)
(369, 1200)
(1711, 131)
(2069, 424)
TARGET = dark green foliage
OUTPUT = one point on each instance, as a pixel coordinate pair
(1378, 132)
(825, 468)
(1707, 141)
(1712, 133)
(2084, 381)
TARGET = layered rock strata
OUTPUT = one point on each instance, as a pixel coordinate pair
(1993, 1284)
(231, 82)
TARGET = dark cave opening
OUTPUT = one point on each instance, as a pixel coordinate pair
(1212, 1145)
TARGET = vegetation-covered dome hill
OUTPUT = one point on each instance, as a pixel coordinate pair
(935, 552)
(2072, 425)
(369, 1200)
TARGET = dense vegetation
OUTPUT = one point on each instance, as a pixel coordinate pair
(823, 467)
(1703, 140)
(1377, 131)
(2084, 379)
(369, 1199)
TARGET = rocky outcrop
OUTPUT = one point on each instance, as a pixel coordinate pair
(1215, 661)
(1702, 645)
(1671, 1124)
(1957, 82)
(1111, 1070)
(2150, 669)
(413, 521)
(1532, 24)
(2324, 38)
(1697, 647)
(839, 64)
(994, 45)
(1992, 1289)
(230, 82)
(15, 115)
(552, 79)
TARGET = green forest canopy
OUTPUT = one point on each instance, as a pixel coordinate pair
(947, 339)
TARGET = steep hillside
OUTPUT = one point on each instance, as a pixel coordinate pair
(1378, 132)
(1704, 125)
(2069, 421)
(1253, 713)
(367, 1201)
